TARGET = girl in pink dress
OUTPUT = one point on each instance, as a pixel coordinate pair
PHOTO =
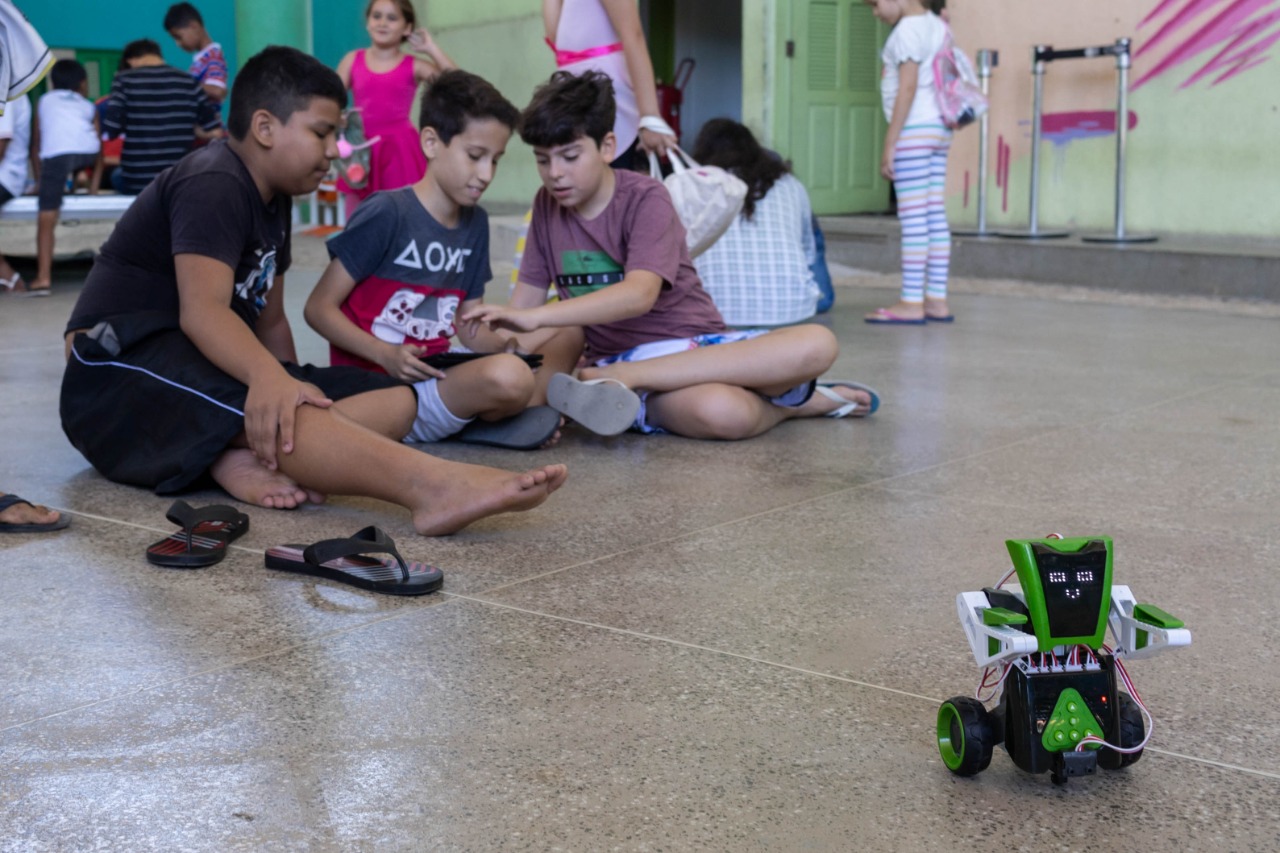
(383, 81)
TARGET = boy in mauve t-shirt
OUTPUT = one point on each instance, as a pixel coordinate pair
(613, 245)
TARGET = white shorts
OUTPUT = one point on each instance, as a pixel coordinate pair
(434, 421)
(797, 396)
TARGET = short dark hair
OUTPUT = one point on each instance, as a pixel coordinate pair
(456, 97)
(733, 147)
(280, 80)
(139, 47)
(67, 74)
(181, 15)
(569, 106)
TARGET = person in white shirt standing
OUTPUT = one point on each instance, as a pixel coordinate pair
(67, 137)
(15, 150)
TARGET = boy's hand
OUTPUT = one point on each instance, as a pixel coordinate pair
(405, 363)
(496, 317)
(269, 412)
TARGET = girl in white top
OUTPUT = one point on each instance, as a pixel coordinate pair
(915, 159)
(606, 36)
(759, 273)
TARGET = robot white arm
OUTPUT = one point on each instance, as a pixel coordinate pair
(1142, 630)
(992, 631)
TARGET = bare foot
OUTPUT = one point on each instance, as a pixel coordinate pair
(240, 473)
(479, 492)
(25, 513)
(820, 404)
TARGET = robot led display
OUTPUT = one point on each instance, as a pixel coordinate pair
(1042, 641)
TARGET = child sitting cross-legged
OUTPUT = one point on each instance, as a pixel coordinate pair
(613, 244)
(410, 260)
(181, 362)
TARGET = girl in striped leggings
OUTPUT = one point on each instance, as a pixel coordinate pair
(915, 159)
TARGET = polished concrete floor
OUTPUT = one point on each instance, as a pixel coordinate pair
(692, 645)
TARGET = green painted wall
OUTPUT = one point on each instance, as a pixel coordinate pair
(501, 40)
(95, 24)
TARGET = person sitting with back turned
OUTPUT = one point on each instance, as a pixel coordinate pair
(611, 241)
(157, 109)
(181, 359)
(760, 271)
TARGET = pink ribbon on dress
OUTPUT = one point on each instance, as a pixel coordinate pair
(568, 57)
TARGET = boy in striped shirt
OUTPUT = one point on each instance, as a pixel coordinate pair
(157, 108)
(209, 65)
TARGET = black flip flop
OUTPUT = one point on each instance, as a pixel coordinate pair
(340, 560)
(7, 501)
(528, 430)
(206, 532)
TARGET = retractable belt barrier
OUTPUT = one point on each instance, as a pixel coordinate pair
(1041, 56)
(987, 60)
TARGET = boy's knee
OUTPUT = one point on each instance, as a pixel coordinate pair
(821, 349)
(508, 378)
(725, 414)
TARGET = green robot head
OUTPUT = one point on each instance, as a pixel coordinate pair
(1067, 587)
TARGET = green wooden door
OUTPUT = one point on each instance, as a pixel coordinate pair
(829, 104)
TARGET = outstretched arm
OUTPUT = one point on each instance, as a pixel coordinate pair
(625, 18)
(631, 297)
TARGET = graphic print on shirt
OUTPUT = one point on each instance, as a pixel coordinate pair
(586, 272)
(437, 258)
(257, 284)
(409, 314)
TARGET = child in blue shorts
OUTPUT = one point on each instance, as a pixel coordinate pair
(613, 245)
(411, 260)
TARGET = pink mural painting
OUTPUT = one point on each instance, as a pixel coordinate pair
(1216, 39)
(1061, 128)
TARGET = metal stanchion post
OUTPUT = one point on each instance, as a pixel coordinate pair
(1038, 59)
(987, 59)
(1123, 61)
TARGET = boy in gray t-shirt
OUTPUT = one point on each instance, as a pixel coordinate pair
(412, 260)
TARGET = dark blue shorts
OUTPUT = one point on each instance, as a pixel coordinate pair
(147, 408)
(54, 173)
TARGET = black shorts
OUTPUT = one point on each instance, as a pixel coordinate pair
(54, 174)
(147, 408)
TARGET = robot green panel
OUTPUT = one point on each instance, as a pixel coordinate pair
(1067, 587)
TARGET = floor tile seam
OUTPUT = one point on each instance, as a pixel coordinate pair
(826, 676)
(445, 600)
(670, 539)
(23, 350)
(1070, 428)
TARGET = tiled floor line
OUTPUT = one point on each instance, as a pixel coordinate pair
(802, 671)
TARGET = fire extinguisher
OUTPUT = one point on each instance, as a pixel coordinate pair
(671, 95)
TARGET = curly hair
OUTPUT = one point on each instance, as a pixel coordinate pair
(569, 106)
